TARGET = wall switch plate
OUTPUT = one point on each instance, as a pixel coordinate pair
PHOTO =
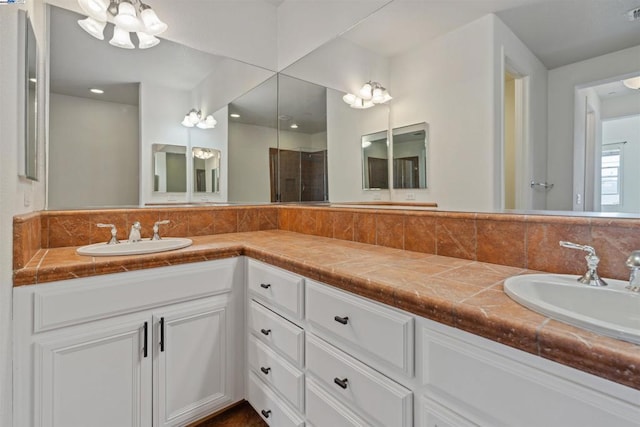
(411, 196)
(376, 196)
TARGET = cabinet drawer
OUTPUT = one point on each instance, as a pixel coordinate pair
(383, 334)
(278, 288)
(375, 396)
(277, 332)
(278, 373)
(324, 410)
(270, 407)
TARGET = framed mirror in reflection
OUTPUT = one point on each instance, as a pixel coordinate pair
(375, 161)
(169, 168)
(410, 156)
(206, 170)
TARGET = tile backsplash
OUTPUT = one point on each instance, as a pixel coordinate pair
(525, 241)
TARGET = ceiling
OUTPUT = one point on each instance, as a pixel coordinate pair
(557, 31)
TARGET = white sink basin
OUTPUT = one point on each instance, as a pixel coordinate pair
(613, 310)
(145, 246)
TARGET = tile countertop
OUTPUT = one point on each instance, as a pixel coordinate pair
(463, 294)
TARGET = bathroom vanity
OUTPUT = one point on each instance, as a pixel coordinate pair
(311, 331)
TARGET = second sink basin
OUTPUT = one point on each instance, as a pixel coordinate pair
(613, 310)
(144, 246)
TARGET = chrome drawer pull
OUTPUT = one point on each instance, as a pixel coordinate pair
(265, 285)
(266, 413)
(344, 320)
(265, 331)
(341, 383)
(265, 370)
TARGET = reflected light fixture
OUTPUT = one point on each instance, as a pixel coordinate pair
(96, 90)
(194, 118)
(369, 95)
(234, 115)
(632, 83)
(128, 16)
(203, 153)
(294, 126)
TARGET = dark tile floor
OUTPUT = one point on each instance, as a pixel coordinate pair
(242, 415)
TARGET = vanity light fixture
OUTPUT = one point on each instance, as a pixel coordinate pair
(203, 153)
(369, 95)
(632, 83)
(128, 16)
(194, 118)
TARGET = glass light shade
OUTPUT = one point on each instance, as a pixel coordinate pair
(152, 24)
(194, 117)
(146, 40)
(632, 83)
(121, 38)
(203, 153)
(93, 27)
(208, 123)
(349, 98)
(377, 96)
(187, 122)
(366, 91)
(96, 9)
(127, 18)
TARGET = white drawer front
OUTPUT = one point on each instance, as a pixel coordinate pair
(324, 410)
(375, 396)
(270, 407)
(383, 333)
(277, 332)
(280, 289)
(278, 373)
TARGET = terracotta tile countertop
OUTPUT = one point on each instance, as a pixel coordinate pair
(464, 294)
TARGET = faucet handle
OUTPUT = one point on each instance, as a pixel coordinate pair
(156, 229)
(591, 277)
(114, 232)
(633, 263)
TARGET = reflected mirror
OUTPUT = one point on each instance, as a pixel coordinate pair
(375, 161)
(169, 168)
(410, 156)
(206, 170)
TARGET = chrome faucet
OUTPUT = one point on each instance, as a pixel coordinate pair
(114, 232)
(633, 262)
(134, 234)
(591, 277)
(156, 229)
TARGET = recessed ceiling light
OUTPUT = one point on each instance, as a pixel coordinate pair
(294, 126)
(234, 115)
(632, 83)
(32, 80)
(98, 91)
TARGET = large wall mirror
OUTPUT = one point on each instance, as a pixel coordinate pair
(428, 60)
(28, 150)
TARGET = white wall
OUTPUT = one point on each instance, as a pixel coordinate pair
(620, 106)
(15, 193)
(102, 139)
(345, 128)
(562, 84)
(448, 84)
(161, 112)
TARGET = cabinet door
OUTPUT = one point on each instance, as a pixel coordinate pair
(190, 362)
(96, 378)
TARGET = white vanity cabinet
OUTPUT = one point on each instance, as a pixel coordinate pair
(147, 348)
